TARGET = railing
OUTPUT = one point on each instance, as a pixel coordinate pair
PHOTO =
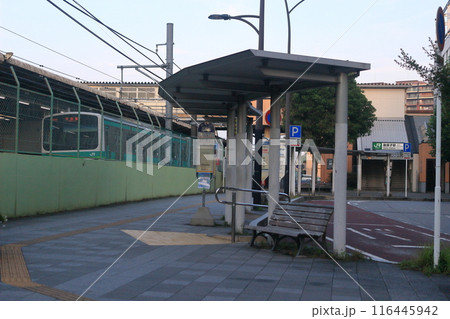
(233, 203)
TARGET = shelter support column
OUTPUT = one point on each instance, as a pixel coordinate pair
(231, 160)
(292, 190)
(249, 166)
(241, 170)
(340, 167)
(313, 174)
(299, 172)
(274, 153)
(388, 176)
(415, 174)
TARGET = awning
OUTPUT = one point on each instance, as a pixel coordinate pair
(212, 87)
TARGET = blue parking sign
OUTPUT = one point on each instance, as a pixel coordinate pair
(295, 131)
(407, 147)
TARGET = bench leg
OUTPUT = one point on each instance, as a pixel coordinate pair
(252, 242)
(299, 242)
(275, 240)
(323, 242)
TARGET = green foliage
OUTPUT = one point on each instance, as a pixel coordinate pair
(314, 110)
(438, 74)
(425, 262)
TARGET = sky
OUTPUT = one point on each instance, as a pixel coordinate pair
(370, 31)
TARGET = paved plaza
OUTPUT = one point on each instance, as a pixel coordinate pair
(94, 254)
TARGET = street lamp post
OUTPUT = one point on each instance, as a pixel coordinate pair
(259, 103)
(287, 111)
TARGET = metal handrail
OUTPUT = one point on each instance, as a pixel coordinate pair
(233, 203)
(224, 188)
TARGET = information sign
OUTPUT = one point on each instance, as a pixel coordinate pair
(407, 147)
(204, 180)
(387, 146)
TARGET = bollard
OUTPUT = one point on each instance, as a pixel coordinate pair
(203, 198)
(233, 216)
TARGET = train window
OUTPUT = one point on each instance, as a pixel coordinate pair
(65, 132)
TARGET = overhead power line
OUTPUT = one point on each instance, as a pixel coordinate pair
(101, 39)
(118, 34)
(61, 54)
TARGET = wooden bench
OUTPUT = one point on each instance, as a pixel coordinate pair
(300, 221)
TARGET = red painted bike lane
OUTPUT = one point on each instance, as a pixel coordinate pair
(382, 238)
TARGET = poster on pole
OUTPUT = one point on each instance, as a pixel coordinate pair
(204, 180)
(206, 132)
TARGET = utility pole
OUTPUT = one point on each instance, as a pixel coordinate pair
(169, 72)
(259, 130)
(440, 35)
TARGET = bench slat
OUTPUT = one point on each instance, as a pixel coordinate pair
(300, 212)
(307, 208)
(301, 215)
(300, 220)
(306, 227)
(287, 231)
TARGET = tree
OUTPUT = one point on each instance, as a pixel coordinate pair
(438, 74)
(314, 110)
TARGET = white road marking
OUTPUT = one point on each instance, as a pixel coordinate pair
(393, 236)
(373, 225)
(407, 246)
(373, 257)
(359, 233)
(419, 232)
(367, 229)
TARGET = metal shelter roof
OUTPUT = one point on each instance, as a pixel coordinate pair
(212, 87)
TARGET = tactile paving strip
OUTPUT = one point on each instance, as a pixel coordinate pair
(14, 271)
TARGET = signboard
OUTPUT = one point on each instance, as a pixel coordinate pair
(206, 151)
(267, 117)
(295, 134)
(440, 29)
(204, 180)
(206, 130)
(407, 147)
(329, 163)
(295, 131)
(295, 142)
(206, 159)
(387, 146)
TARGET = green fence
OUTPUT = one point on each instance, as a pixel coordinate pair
(33, 185)
(48, 167)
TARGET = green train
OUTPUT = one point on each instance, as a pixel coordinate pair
(100, 136)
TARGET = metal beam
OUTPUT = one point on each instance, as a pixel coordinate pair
(235, 86)
(195, 97)
(294, 75)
